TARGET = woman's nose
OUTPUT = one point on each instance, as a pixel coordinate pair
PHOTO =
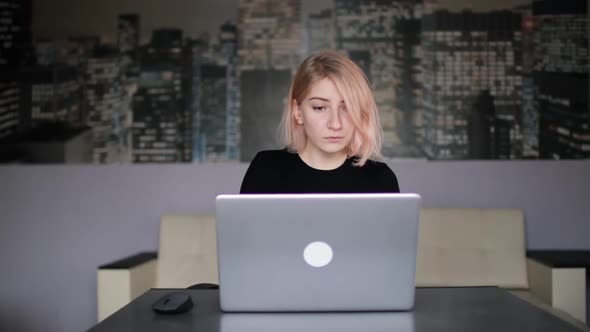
(335, 122)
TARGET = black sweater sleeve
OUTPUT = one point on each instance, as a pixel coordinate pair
(384, 179)
(265, 175)
(391, 183)
(254, 180)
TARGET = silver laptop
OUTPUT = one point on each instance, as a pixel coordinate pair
(318, 322)
(317, 252)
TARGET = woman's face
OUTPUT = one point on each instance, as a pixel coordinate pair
(325, 119)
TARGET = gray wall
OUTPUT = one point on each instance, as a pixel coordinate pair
(58, 223)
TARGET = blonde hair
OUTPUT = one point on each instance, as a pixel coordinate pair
(353, 85)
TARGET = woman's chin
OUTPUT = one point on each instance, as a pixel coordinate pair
(333, 149)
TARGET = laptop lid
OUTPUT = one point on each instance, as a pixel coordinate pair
(318, 322)
(317, 252)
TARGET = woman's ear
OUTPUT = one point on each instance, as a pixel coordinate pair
(297, 112)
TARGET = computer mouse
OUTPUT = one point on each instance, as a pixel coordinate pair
(173, 303)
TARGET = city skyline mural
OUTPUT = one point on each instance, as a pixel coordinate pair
(206, 81)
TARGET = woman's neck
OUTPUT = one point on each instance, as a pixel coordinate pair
(322, 161)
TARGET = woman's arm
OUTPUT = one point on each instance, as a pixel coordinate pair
(388, 180)
(254, 179)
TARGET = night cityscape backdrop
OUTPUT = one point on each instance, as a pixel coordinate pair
(451, 82)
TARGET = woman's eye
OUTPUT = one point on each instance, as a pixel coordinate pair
(343, 108)
(319, 108)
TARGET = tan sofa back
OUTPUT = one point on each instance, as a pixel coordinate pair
(456, 247)
(188, 251)
(471, 247)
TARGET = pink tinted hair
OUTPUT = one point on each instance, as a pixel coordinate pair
(358, 97)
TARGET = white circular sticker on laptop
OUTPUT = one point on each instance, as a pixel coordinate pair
(318, 254)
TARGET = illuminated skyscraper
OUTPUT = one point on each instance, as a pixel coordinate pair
(466, 55)
(561, 78)
(15, 50)
(106, 107)
(53, 94)
(162, 119)
(270, 34)
(216, 97)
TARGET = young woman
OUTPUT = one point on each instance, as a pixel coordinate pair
(332, 133)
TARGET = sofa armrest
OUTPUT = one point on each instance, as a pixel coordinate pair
(120, 282)
(562, 288)
(531, 298)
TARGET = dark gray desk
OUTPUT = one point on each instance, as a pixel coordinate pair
(437, 309)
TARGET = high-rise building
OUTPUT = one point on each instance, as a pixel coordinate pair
(128, 31)
(480, 119)
(15, 51)
(79, 49)
(466, 54)
(52, 94)
(46, 52)
(229, 46)
(162, 113)
(408, 89)
(366, 30)
(270, 34)
(196, 55)
(320, 31)
(213, 112)
(157, 106)
(15, 33)
(11, 121)
(106, 107)
(561, 78)
(128, 43)
(530, 115)
(216, 97)
(49, 142)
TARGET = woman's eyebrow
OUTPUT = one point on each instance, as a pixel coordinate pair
(324, 99)
(319, 98)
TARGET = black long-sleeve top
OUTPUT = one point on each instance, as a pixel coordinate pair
(280, 171)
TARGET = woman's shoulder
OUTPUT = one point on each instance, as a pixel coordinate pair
(265, 173)
(377, 168)
(383, 176)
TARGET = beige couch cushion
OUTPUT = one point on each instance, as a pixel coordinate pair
(471, 247)
(188, 251)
